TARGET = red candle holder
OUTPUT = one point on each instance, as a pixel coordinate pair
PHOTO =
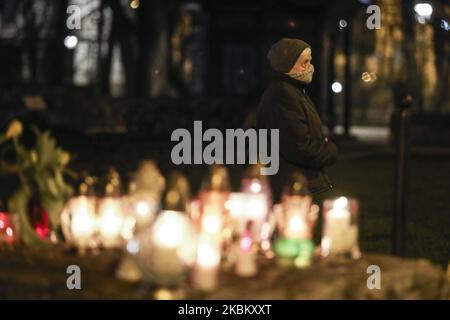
(7, 230)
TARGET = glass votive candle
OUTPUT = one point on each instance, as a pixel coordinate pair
(340, 228)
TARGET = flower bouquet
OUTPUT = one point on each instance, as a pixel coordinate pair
(43, 191)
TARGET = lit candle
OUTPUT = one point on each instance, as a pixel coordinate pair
(145, 194)
(83, 224)
(6, 229)
(296, 219)
(114, 224)
(245, 207)
(340, 234)
(258, 202)
(110, 222)
(296, 228)
(299, 217)
(141, 208)
(206, 271)
(236, 206)
(167, 250)
(256, 211)
(212, 214)
(79, 217)
(212, 217)
(178, 193)
(339, 223)
(246, 256)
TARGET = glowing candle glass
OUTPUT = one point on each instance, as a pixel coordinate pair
(340, 230)
(7, 230)
(79, 222)
(113, 225)
(144, 199)
(206, 271)
(244, 207)
(258, 202)
(210, 214)
(296, 219)
(166, 251)
(296, 224)
(246, 256)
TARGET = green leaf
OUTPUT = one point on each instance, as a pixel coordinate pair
(54, 207)
(47, 150)
(2, 138)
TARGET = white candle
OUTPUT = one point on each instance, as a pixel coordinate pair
(173, 248)
(236, 207)
(79, 222)
(83, 224)
(212, 224)
(339, 224)
(212, 213)
(206, 271)
(340, 235)
(110, 222)
(244, 207)
(166, 250)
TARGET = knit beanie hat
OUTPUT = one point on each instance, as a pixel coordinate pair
(283, 54)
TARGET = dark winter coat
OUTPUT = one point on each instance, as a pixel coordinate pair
(303, 146)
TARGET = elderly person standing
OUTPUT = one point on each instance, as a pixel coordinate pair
(285, 105)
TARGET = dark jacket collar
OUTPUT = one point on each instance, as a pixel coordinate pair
(284, 77)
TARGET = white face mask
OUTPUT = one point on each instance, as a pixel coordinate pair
(304, 76)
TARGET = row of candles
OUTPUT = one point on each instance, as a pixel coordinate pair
(167, 235)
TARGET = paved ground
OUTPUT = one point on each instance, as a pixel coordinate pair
(33, 274)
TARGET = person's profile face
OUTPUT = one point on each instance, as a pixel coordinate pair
(303, 62)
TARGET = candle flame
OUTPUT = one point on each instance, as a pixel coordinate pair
(255, 187)
(246, 243)
(9, 232)
(340, 203)
(211, 223)
(340, 208)
(133, 246)
(296, 224)
(110, 221)
(83, 220)
(170, 229)
(142, 208)
(207, 255)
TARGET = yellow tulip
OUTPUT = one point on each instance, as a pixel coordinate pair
(33, 156)
(14, 130)
(64, 158)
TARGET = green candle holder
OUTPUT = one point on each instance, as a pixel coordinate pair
(300, 251)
